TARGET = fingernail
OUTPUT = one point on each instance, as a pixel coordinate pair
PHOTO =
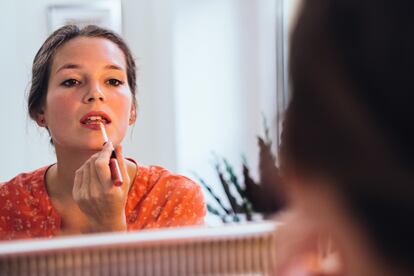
(111, 145)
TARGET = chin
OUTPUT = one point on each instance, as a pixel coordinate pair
(83, 146)
(94, 147)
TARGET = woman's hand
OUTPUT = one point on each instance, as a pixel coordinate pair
(98, 198)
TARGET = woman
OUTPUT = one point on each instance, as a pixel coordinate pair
(81, 78)
(347, 148)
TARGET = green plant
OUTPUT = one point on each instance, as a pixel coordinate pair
(265, 196)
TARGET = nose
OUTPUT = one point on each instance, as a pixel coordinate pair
(94, 94)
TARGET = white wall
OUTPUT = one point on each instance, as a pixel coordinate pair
(224, 65)
(147, 29)
(20, 143)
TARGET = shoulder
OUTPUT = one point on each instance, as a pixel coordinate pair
(157, 177)
(20, 200)
(24, 182)
(163, 198)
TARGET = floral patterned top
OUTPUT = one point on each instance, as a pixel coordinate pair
(157, 198)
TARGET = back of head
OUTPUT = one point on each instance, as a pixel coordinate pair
(350, 117)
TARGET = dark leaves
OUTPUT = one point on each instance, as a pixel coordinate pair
(266, 197)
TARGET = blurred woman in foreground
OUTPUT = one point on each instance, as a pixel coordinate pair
(348, 145)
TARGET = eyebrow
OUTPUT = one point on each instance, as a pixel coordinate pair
(68, 66)
(114, 67)
(77, 66)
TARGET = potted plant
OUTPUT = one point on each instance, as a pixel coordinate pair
(248, 197)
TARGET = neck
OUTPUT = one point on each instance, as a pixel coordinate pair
(61, 176)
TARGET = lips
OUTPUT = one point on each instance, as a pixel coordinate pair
(93, 118)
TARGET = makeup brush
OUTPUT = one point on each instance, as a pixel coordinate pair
(113, 162)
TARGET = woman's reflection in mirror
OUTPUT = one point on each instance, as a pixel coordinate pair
(82, 78)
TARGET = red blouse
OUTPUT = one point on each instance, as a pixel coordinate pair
(157, 198)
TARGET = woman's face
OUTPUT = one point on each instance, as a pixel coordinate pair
(87, 84)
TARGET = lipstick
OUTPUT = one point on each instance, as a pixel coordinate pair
(113, 162)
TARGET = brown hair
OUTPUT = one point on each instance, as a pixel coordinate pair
(43, 60)
(350, 116)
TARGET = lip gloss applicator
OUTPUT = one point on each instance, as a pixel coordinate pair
(113, 162)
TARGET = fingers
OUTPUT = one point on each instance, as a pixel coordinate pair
(77, 184)
(101, 164)
(96, 169)
(94, 187)
(86, 176)
(119, 156)
(121, 162)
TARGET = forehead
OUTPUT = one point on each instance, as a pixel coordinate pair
(89, 51)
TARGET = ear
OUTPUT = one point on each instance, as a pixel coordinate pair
(41, 119)
(133, 115)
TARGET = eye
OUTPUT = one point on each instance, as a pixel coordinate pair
(114, 82)
(70, 83)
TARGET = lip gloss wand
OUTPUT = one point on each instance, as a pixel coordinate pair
(113, 162)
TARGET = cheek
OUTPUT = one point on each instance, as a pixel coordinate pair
(58, 110)
(125, 115)
(122, 107)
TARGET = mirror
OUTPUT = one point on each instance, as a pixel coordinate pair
(208, 73)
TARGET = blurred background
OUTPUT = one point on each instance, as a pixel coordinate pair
(209, 71)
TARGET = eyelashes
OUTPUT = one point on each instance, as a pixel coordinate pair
(74, 82)
(70, 83)
(114, 82)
